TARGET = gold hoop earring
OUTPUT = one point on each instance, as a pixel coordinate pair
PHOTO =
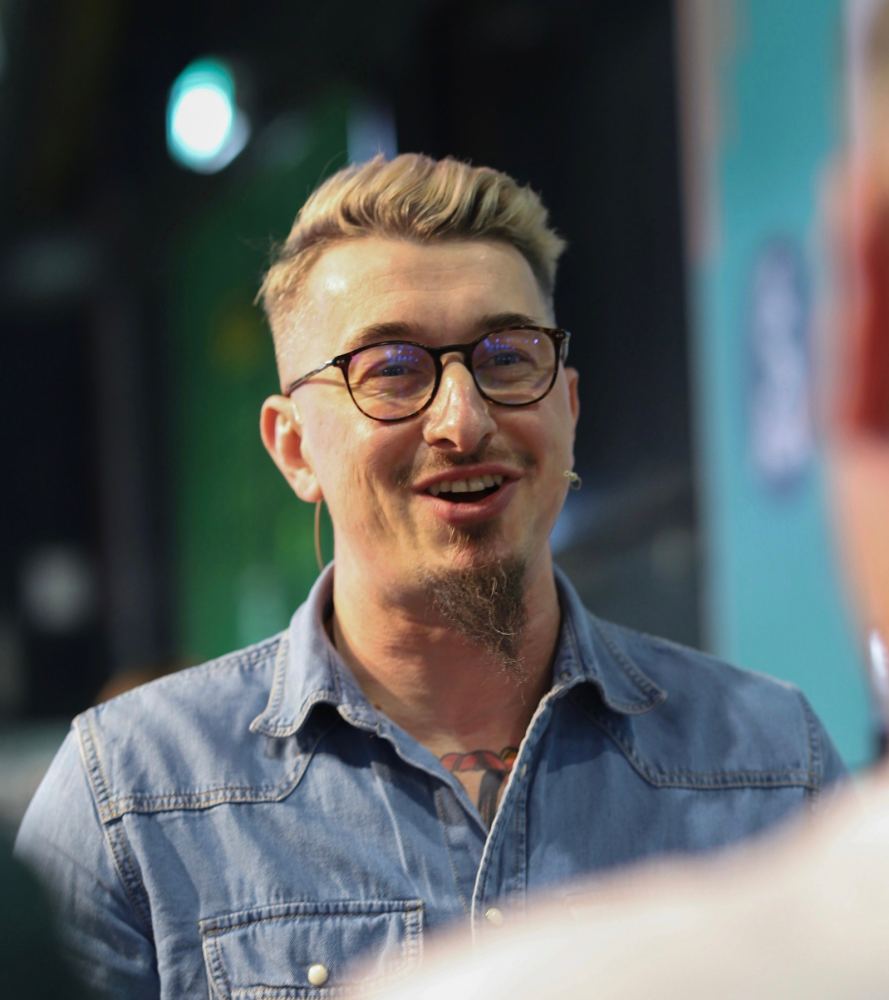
(318, 555)
(574, 481)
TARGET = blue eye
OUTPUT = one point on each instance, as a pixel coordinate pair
(507, 357)
(504, 359)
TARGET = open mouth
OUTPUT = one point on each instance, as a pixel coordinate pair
(466, 490)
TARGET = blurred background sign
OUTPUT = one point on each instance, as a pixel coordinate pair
(765, 96)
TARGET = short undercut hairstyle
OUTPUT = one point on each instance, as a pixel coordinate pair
(411, 197)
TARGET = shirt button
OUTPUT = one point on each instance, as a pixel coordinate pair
(523, 771)
(494, 916)
(318, 974)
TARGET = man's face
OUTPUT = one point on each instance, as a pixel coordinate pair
(376, 477)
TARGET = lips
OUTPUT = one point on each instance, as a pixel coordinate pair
(462, 494)
(462, 490)
(471, 506)
(478, 475)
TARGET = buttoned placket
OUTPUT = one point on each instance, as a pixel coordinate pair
(490, 867)
(502, 878)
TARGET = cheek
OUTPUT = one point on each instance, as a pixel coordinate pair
(549, 433)
(331, 443)
(354, 460)
(557, 446)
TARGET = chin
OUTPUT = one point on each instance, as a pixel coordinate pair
(477, 545)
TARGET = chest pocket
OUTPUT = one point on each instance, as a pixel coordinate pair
(310, 949)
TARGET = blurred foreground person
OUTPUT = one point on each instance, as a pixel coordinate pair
(443, 728)
(804, 913)
(30, 959)
(801, 916)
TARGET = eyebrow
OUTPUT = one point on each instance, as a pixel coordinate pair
(398, 330)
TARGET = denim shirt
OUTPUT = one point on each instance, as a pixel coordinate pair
(246, 828)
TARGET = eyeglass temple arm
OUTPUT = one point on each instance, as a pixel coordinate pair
(308, 375)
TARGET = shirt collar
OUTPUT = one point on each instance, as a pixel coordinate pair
(589, 653)
(309, 671)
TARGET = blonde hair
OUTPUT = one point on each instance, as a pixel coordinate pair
(411, 197)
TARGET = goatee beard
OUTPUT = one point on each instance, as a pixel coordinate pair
(486, 604)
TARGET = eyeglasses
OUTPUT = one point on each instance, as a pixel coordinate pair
(397, 379)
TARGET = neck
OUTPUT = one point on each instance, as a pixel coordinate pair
(448, 692)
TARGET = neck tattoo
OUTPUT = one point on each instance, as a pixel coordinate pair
(494, 767)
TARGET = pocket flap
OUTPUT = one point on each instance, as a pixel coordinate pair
(310, 949)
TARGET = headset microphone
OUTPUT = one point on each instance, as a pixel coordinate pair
(574, 481)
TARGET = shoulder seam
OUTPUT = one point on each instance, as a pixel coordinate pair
(715, 780)
(121, 805)
(114, 835)
(668, 645)
(816, 764)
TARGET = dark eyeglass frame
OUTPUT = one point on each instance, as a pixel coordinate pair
(557, 335)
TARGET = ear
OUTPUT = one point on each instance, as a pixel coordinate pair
(281, 428)
(573, 377)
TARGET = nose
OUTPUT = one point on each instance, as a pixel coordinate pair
(459, 418)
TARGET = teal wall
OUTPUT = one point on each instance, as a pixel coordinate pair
(773, 600)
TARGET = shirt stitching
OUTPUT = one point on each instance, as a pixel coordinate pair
(692, 779)
(815, 762)
(441, 816)
(137, 892)
(410, 915)
(654, 693)
(119, 806)
(95, 773)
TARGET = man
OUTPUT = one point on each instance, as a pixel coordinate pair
(443, 728)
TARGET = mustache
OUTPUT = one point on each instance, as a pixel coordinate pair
(404, 476)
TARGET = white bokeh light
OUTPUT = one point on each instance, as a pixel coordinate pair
(202, 119)
(205, 128)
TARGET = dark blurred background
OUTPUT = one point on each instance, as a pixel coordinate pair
(676, 143)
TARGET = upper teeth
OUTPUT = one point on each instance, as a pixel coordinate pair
(472, 485)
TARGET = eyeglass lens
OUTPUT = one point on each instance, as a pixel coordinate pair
(393, 381)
